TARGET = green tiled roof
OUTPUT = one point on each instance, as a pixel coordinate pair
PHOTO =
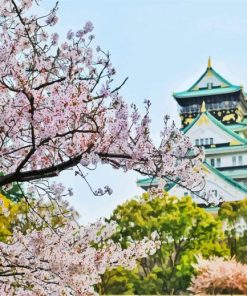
(153, 182)
(236, 126)
(239, 125)
(218, 123)
(235, 172)
(210, 71)
(206, 92)
(226, 178)
(219, 85)
(241, 128)
(148, 181)
(235, 148)
(212, 209)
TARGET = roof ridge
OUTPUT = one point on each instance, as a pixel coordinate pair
(206, 92)
(215, 73)
(222, 78)
(211, 168)
(228, 179)
(198, 80)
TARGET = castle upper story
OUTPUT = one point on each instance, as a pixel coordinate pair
(225, 101)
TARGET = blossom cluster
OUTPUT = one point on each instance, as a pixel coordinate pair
(219, 276)
(50, 254)
(65, 261)
(59, 107)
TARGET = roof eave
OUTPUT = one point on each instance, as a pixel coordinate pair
(186, 95)
(228, 179)
(222, 150)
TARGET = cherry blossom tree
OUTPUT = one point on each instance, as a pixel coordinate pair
(65, 261)
(50, 254)
(60, 109)
(46, 252)
(219, 276)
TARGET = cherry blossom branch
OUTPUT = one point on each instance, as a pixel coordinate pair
(59, 108)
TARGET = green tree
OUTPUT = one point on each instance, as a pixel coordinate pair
(234, 216)
(9, 216)
(20, 214)
(184, 230)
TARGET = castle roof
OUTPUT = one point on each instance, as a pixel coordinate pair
(209, 84)
(147, 182)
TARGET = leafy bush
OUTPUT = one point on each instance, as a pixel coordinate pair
(184, 229)
(234, 216)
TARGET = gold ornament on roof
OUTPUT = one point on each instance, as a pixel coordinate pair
(203, 107)
(209, 63)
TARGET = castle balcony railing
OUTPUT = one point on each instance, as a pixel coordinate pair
(195, 108)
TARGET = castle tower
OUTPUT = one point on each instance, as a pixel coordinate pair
(225, 101)
(214, 115)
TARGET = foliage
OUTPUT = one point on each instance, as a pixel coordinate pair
(20, 215)
(183, 229)
(9, 212)
(12, 191)
(234, 216)
(219, 276)
(117, 281)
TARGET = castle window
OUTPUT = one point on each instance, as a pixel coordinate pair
(234, 160)
(240, 160)
(194, 108)
(209, 85)
(218, 162)
(212, 162)
(204, 141)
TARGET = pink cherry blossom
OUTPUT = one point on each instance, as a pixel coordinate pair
(219, 275)
(65, 261)
(59, 108)
(52, 19)
(88, 27)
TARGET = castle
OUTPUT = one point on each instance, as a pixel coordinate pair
(213, 114)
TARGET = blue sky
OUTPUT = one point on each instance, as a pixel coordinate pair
(162, 46)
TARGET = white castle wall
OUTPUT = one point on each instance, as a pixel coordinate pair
(219, 189)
